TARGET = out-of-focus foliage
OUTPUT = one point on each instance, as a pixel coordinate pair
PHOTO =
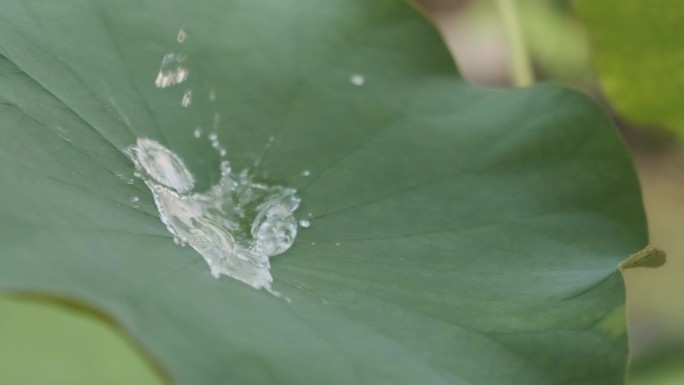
(45, 344)
(637, 46)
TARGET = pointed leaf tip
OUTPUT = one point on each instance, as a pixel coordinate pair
(650, 256)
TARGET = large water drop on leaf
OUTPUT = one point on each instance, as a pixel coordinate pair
(236, 225)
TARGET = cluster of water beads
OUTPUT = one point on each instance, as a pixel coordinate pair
(235, 226)
(172, 70)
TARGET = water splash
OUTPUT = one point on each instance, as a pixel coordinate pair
(305, 223)
(235, 226)
(171, 71)
(197, 133)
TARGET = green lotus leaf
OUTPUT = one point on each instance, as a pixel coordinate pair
(459, 235)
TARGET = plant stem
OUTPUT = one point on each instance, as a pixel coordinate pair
(521, 70)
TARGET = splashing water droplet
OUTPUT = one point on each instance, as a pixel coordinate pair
(357, 80)
(135, 199)
(212, 96)
(337, 243)
(235, 226)
(182, 35)
(306, 173)
(171, 71)
(304, 223)
(197, 133)
(216, 145)
(156, 161)
(187, 98)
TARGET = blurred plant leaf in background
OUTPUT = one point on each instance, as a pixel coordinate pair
(555, 40)
(46, 344)
(459, 235)
(637, 48)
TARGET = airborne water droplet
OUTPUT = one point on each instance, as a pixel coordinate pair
(304, 223)
(182, 35)
(216, 145)
(197, 133)
(171, 71)
(306, 173)
(187, 98)
(235, 226)
(135, 199)
(357, 80)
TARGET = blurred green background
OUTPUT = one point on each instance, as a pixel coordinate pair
(43, 340)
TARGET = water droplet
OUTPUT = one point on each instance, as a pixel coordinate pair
(187, 98)
(357, 80)
(130, 181)
(310, 215)
(182, 35)
(197, 133)
(304, 223)
(135, 199)
(161, 164)
(216, 145)
(213, 138)
(212, 95)
(171, 71)
(313, 243)
(306, 173)
(235, 226)
(337, 243)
